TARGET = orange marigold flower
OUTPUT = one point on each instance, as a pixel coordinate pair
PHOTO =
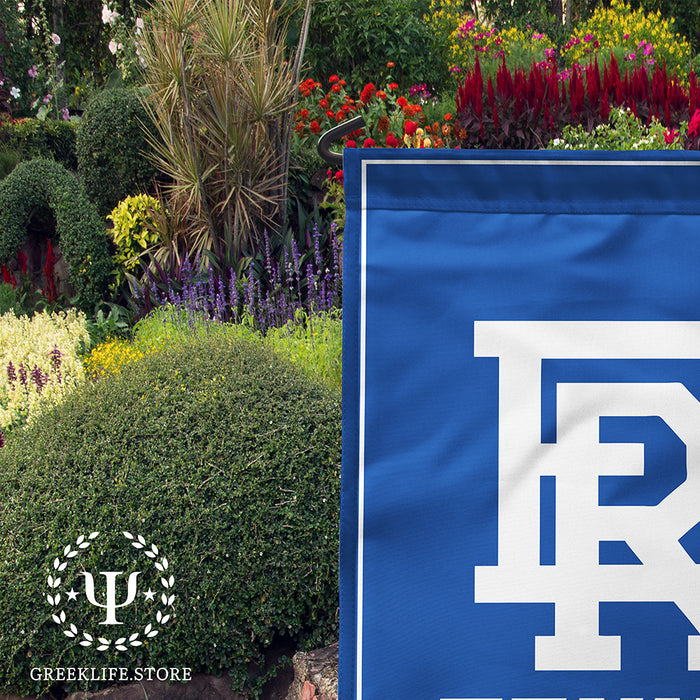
(304, 114)
(342, 82)
(336, 89)
(340, 116)
(446, 129)
(383, 124)
(323, 104)
(315, 127)
(381, 94)
(345, 108)
(393, 86)
(390, 64)
(448, 117)
(330, 114)
(333, 79)
(402, 101)
(439, 143)
(299, 127)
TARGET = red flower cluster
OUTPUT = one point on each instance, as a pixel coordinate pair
(367, 92)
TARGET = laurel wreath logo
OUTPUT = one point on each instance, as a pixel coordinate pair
(54, 597)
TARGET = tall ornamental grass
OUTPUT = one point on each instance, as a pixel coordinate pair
(220, 89)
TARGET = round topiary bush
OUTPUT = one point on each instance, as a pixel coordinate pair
(111, 144)
(40, 184)
(225, 460)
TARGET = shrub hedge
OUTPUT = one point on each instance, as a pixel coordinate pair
(41, 184)
(213, 449)
(48, 138)
(111, 144)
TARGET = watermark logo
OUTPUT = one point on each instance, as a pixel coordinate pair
(575, 464)
(104, 591)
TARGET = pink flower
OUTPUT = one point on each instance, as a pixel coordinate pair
(65, 114)
(648, 50)
(350, 144)
(369, 143)
(56, 39)
(32, 72)
(670, 136)
(47, 98)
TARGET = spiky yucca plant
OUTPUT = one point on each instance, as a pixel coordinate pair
(220, 89)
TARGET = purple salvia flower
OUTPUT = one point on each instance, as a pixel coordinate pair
(233, 295)
(11, 374)
(317, 247)
(39, 378)
(22, 374)
(2, 439)
(220, 300)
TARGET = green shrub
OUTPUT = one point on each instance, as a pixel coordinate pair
(133, 231)
(223, 456)
(356, 39)
(48, 138)
(40, 184)
(111, 144)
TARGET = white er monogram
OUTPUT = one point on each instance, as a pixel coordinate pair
(577, 583)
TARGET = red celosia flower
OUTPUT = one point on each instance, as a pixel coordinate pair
(402, 101)
(410, 127)
(22, 261)
(670, 136)
(333, 79)
(694, 126)
(367, 92)
(350, 144)
(369, 143)
(8, 277)
(315, 127)
(339, 177)
(391, 141)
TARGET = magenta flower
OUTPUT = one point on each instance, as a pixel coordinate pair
(32, 72)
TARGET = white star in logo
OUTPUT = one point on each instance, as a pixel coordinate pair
(149, 594)
(72, 595)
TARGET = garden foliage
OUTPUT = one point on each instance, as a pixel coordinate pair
(528, 109)
(42, 185)
(356, 38)
(38, 363)
(48, 138)
(218, 452)
(220, 88)
(112, 147)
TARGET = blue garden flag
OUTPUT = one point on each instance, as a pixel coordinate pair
(521, 425)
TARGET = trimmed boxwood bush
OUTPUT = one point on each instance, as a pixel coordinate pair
(214, 450)
(111, 145)
(34, 138)
(41, 184)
